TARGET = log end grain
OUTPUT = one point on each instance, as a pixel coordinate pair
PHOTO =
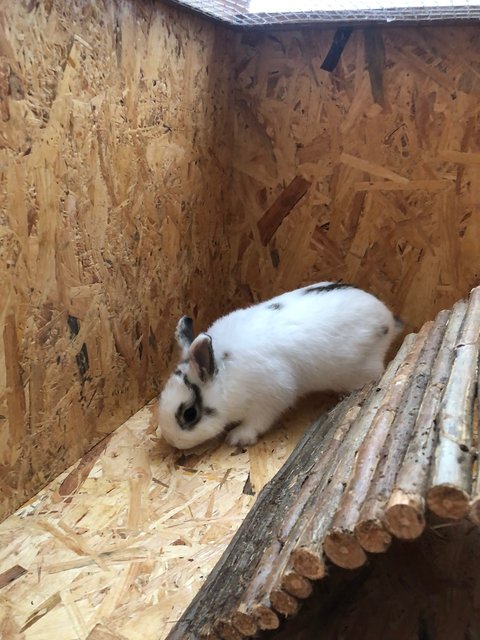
(266, 618)
(245, 623)
(205, 635)
(284, 603)
(308, 563)
(474, 513)
(297, 585)
(344, 550)
(227, 631)
(405, 521)
(372, 535)
(448, 501)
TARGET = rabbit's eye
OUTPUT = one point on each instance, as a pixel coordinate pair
(190, 415)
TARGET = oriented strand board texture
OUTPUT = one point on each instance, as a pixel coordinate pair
(117, 546)
(114, 165)
(388, 145)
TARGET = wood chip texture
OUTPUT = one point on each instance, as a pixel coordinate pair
(153, 163)
(113, 152)
(119, 544)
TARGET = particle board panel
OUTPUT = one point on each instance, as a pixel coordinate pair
(388, 146)
(114, 161)
(118, 545)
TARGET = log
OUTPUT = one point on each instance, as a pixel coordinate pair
(369, 530)
(227, 631)
(296, 585)
(405, 513)
(218, 597)
(308, 559)
(475, 503)
(266, 618)
(244, 624)
(269, 572)
(450, 483)
(341, 545)
(284, 603)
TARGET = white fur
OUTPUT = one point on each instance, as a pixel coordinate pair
(266, 359)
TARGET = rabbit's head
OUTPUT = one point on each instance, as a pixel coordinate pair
(189, 407)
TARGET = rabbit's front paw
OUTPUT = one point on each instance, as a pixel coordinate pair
(242, 436)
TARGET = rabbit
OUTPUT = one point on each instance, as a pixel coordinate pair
(254, 363)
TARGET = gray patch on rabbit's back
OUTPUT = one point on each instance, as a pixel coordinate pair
(325, 288)
(276, 306)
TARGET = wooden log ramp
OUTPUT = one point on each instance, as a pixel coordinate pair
(361, 475)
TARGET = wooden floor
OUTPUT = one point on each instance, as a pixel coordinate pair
(118, 545)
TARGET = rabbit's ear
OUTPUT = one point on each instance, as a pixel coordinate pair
(202, 358)
(184, 334)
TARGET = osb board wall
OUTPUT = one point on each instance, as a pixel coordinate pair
(113, 163)
(382, 154)
(117, 546)
(118, 211)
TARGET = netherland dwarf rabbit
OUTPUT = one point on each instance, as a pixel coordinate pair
(254, 363)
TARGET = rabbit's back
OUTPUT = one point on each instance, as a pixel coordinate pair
(328, 335)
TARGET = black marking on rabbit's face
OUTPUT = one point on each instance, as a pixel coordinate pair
(325, 288)
(189, 414)
(276, 306)
(232, 425)
(210, 411)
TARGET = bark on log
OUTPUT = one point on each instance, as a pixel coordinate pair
(369, 530)
(308, 557)
(475, 503)
(404, 515)
(223, 588)
(268, 576)
(450, 484)
(341, 545)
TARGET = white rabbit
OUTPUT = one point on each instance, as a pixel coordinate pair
(255, 363)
